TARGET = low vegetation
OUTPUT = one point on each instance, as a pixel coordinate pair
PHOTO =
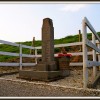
(67, 39)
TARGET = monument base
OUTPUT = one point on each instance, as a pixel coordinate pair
(45, 67)
(43, 75)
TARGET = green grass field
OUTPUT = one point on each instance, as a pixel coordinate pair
(67, 39)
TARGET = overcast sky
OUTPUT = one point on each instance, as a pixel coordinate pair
(20, 22)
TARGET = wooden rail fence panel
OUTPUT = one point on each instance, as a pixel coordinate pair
(17, 54)
(86, 63)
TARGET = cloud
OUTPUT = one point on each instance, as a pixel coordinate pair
(73, 7)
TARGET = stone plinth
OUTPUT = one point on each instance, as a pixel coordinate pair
(64, 63)
(43, 75)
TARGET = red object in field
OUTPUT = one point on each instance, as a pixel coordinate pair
(66, 55)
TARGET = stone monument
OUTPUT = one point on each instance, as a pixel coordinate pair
(46, 69)
(47, 63)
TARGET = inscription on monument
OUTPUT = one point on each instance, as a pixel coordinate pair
(47, 38)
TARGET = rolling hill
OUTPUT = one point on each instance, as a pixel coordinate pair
(67, 39)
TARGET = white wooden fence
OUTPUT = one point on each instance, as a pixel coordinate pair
(73, 54)
(86, 63)
(16, 54)
(21, 55)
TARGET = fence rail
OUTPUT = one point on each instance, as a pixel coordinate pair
(9, 43)
(65, 45)
(16, 64)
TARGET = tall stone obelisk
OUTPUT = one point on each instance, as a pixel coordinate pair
(48, 63)
(47, 41)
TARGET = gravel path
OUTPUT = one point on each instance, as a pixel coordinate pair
(71, 81)
(74, 80)
(69, 86)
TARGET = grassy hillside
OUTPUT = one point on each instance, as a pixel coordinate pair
(67, 39)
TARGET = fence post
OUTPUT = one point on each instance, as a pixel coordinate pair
(36, 55)
(20, 57)
(99, 55)
(80, 39)
(33, 45)
(85, 69)
(94, 56)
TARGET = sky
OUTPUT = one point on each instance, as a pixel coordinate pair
(20, 22)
